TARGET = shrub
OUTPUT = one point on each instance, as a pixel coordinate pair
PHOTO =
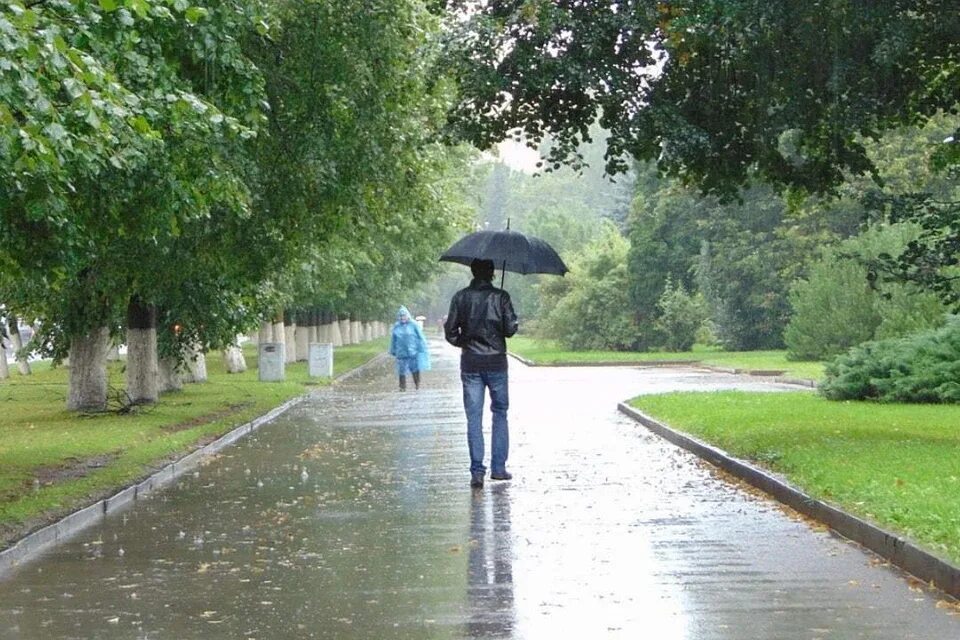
(681, 316)
(590, 309)
(835, 308)
(924, 367)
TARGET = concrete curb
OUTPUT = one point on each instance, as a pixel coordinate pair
(898, 551)
(529, 363)
(771, 375)
(366, 365)
(43, 539)
(39, 541)
(610, 363)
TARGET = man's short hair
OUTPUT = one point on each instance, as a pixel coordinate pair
(482, 269)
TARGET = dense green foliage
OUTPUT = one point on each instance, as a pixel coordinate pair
(589, 308)
(715, 92)
(835, 308)
(722, 96)
(218, 160)
(923, 367)
(681, 317)
(86, 226)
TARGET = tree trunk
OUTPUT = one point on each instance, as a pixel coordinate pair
(196, 367)
(87, 387)
(322, 331)
(170, 379)
(317, 320)
(345, 331)
(4, 367)
(302, 340)
(233, 360)
(356, 335)
(336, 336)
(142, 366)
(266, 332)
(279, 335)
(290, 338)
(23, 364)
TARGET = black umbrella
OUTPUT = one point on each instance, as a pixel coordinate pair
(509, 250)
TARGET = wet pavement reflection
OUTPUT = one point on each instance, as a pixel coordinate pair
(350, 516)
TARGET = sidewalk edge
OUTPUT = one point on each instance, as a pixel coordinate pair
(686, 364)
(897, 550)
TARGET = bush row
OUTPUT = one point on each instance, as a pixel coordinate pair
(924, 367)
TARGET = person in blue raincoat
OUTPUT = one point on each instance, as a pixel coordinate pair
(409, 347)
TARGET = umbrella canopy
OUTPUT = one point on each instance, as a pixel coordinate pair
(509, 250)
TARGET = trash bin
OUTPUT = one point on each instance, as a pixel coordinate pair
(320, 360)
(271, 362)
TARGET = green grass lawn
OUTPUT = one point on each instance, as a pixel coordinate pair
(52, 461)
(896, 464)
(549, 352)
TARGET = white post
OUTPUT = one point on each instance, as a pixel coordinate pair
(320, 364)
(271, 362)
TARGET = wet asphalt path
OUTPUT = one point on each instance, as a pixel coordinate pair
(351, 517)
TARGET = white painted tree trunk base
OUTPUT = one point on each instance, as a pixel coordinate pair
(196, 368)
(169, 378)
(233, 360)
(301, 341)
(290, 339)
(4, 367)
(23, 365)
(279, 334)
(336, 337)
(266, 333)
(142, 367)
(87, 386)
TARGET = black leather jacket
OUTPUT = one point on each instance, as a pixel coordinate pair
(481, 317)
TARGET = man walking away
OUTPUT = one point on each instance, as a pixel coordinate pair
(480, 320)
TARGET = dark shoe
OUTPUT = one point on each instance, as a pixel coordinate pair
(503, 475)
(476, 480)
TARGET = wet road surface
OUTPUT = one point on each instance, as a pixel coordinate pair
(351, 517)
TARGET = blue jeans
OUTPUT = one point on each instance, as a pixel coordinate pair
(474, 387)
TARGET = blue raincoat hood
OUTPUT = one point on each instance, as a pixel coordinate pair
(402, 311)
